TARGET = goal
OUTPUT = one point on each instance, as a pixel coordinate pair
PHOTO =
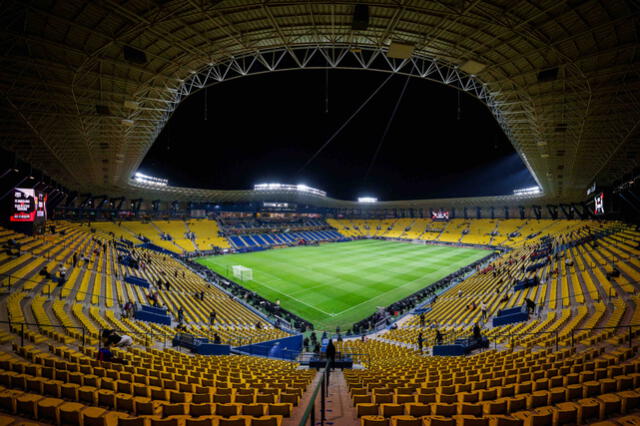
(242, 273)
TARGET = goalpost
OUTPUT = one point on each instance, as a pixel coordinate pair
(242, 273)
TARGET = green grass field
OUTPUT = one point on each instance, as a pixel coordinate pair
(342, 283)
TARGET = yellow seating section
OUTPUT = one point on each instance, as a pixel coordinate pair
(95, 290)
(575, 362)
(66, 386)
(206, 232)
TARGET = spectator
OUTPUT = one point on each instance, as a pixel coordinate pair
(420, 341)
(45, 272)
(531, 305)
(483, 309)
(110, 337)
(62, 274)
(477, 336)
(331, 354)
(180, 314)
(438, 337)
(212, 317)
(216, 339)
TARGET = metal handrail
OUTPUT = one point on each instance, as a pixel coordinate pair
(47, 287)
(310, 411)
(614, 327)
(40, 325)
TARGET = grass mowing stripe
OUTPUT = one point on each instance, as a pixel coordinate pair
(338, 284)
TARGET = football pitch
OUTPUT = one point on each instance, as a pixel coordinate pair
(337, 284)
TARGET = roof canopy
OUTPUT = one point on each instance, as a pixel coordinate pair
(86, 86)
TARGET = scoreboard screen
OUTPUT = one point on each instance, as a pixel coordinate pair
(598, 204)
(440, 215)
(29, 205)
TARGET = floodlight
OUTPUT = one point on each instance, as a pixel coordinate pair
(367, 200)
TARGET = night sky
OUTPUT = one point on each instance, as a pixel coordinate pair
(265, 128)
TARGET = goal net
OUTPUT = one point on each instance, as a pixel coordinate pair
(242, 273)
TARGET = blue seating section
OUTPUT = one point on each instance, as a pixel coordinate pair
(151, 314)
(200, 346)
(526, 283)
(284, 348)
(136, 281)
(511, 316)
(462, 346)
(285, 238)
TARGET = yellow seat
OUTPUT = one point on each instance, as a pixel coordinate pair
(26, 404)
(169, 410)
(202, 421)
(367, 410)
(469, 409)
(227, 410)
(265, 421)
(465, 420)
(418, 409)
(588, 409)
(388, 410)
(405, 421)
(133, 421)
(47, 408)
(373, 421)
(232, 421)
(124, 402)
(255, 410)
(70, 413)
(611, 404)
(438, 421)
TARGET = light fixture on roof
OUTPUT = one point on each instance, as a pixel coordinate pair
(150, 180)
(367, 200)
(544, 155)
(127, 122)
(399, 50)
(131, 104)
(541, 143)
(532, 190)
(472, 67)
(285, 187)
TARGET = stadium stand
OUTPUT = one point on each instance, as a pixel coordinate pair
(542, 328)
(207, 234)
(251, 234)
(572, 361)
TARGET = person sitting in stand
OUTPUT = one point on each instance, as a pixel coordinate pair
(45, 272)
(216, 339)
(110, 337)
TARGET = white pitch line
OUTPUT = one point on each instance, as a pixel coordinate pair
(290, 297)
(382, 294)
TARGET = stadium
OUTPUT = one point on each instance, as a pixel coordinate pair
(296, 212)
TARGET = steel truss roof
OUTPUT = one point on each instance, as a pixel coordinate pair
(75, 107)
